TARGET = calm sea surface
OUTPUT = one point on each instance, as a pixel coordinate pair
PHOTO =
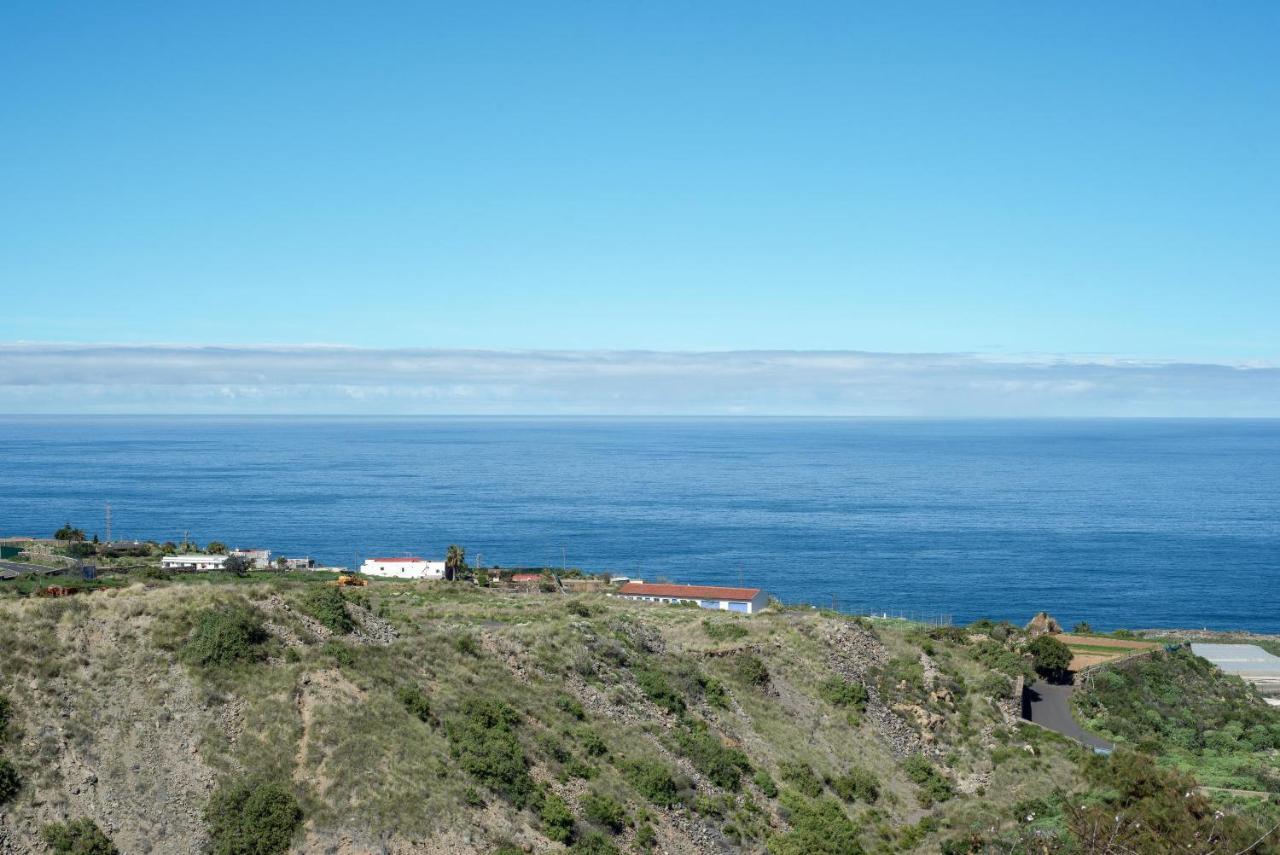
(1121, 523)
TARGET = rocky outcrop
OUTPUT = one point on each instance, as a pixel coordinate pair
(1043, 624)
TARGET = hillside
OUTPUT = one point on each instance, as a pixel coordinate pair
(277, 713)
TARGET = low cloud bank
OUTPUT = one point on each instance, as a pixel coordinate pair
(338, 380)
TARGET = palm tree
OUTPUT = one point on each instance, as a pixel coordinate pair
(454, 560)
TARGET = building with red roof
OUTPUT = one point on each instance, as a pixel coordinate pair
(745, 601)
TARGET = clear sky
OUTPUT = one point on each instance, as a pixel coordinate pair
(921, 177)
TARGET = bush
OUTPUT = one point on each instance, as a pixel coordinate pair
(857, 785)
(605, 810)
(723, 765)
(252, 819)
(579, 608)
(593, 843)
(817, 828)
(592, 743)
(466, 644)
(571, 706)
(751, 670)
(718, 630)
(658, 687)
(715, 694)
(1052, 658)
(10, 781)
(766, 784)
(652, 779)
(842, 693)
(326, 604)
(933, 786)
(801, 776)
(339, 653)
(483, 740)
(1082, 628)
(78, 837)
(237, 565)
(226, 636)
(6, 716)
(557, 819)
(646, 837)
(415, 702)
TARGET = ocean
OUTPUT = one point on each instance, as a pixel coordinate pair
(1121, 523)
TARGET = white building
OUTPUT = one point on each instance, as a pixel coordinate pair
(193, 562)
(403, 568)
(259, 558)
(747, 601)
(299, 564)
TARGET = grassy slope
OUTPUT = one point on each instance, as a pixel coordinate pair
(100, 692)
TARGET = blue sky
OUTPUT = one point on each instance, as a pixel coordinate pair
(979, 178)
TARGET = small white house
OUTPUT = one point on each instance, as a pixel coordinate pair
(403, 568)
(259, 558)
(193, 562)
(299, 564)
(746, 601)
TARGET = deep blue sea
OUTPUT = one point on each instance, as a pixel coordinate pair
(1118, 522)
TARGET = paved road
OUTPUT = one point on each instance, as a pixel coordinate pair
(22, 568)
(1049, 706)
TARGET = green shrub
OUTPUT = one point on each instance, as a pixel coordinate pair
(801, 776)
(658, 687)
(857, 785)
(605, 810)
(466, 644)
(652, 779)
(571, 706)
(579, 608)
(6, 716)
(933, 786)
(339, 653)
(482, 738)
(766, 784)
(10, 781)
(593, 843)
(817, 828)
(415, 702)
(841, 693)
(556, 818)
(592, 743)
(646, 837)
(751, 670)
(226, 636)
(715, 694)
(723, 765)
(77, 837)
(326, 604)
(252, 818)
(719, 630)
(1051, 657)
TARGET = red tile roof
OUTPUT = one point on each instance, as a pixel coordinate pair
(692, 592)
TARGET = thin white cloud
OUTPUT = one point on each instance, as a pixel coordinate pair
(44, 378)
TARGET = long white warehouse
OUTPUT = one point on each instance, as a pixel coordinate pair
(409, 567)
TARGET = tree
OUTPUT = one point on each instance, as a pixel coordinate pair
(1082, 628)
(69, 533)
(282, 563)
(1051, 657)
(216, 547)
(455, 559)
(237, 565)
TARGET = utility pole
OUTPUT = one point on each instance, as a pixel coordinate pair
(833, 602)
(564, 562)
(108, 522)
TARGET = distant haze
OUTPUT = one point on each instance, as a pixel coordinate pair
(43, 378)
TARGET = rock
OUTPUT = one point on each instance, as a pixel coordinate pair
(1043, 624)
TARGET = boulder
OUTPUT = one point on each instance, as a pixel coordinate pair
(1043, 624)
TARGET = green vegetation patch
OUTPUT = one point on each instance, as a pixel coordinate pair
(252, 818)
(605, 810)
(934, 787)
(652, 780)
(721, 630)
(483, 739)
(327, 605)
(77, 837)
(724, 765)
(10, 781)
(226, 636)
(817, 828)
(841, 693)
